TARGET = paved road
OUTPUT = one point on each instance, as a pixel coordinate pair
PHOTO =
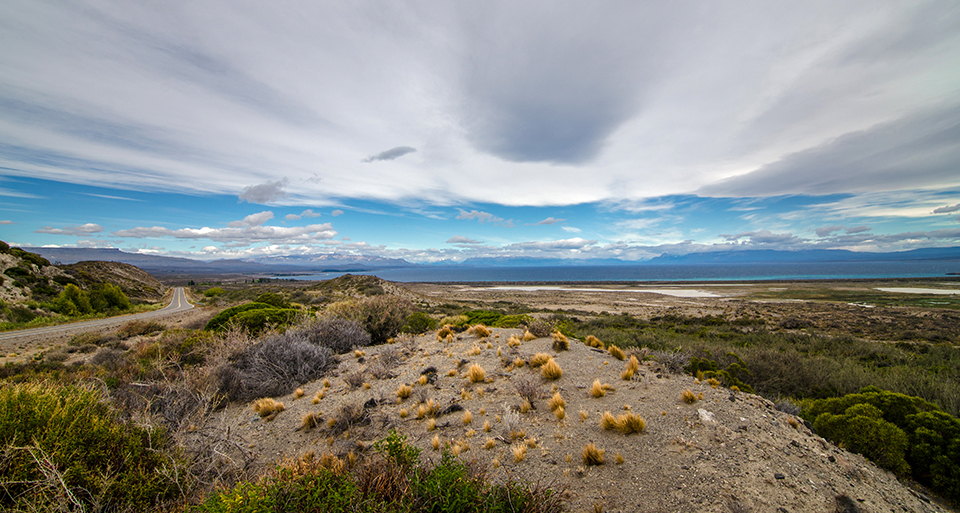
(178, 303)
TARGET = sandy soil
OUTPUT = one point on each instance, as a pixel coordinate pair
(729, 451)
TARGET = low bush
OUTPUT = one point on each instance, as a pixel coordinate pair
(272, 367)
(340, 335)
(139, 328)
(382, 316)
(417, 323)
(63, 444)
(513, 321)
(861, 429)
(219, 321)
(214, 292)
(261, 319)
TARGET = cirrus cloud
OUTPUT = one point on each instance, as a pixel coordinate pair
(83, 229)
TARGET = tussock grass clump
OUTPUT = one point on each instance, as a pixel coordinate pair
(620, 459)
(631, 423)
(444, 332)
(297, 394)
(557, 401)
(597, 390)
(592, 455)
(467, 417)
(560, 413)
(551, 370)
(592, 341)
(404, 413)
(486, 426)
(310, 421)
(713, 382)
(527, 336)
(519, 452)
(608, 422)
(688, 397)
(513, 341)
(583, 415)
(490, 444)
(476, 374)
(617, 353)
(479, 330)
(539, 359)
(633, 365)
(528, 390)
(560, 342)
(349, 415)
(435, 442)
(267, 408)
(404, 391)
(519, 362)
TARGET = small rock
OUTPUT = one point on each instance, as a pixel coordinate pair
(831, 459)
(705, 416)
(779, 476)
(733, 398)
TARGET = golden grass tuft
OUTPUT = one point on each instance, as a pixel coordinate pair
(597, 390)
(310, 421)
(527, 336)
(358, 353)
(593, 341)
(499, 351)
(443, 333)
(713, 382)
(539, 359)
(525, 406)
(592, 455)
(557, 401)
(486, 426)
(490, 444)
(435, 442)
(267, 408)
(366, 386)
(617, 353)
(633, 365)
(465, 394)
(480, 331)
(318, 397)
(431, 424)
(422, 380)
(519, 452)
(298, 394)
(519, 362)
(583, 415)
(404, 413)
(471, 433)
(688, 397)
(631, 423)
(560, 413)
(551, 370)
(326, 383)
(476, 374)
(451, 373)
(608, 422)
(467, 417)
(793, 423)
(620, 459)
(421, 411)
(560, 342)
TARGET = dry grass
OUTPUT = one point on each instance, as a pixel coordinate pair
(404, 413)
(593, 341)
(527, 336)
(476, 374)
(519, 452)
(326, 383)
(297, 394)
(267, 408)
(480, 331)
(431, 424)
(560, 342)
(490, 444)
(318, 397)
(310, 421)
(513, 341)
(467, 417)
(597, 390)
(525, 406)
(688, 397)
(444, 332)
(539, 359)
(422, 380)
(631, 423)
(551, 370)
(617, 353)
(560, 413)
(619, 459)
(354, 379)
(583, 415)
(608, 422)
(592, 455)
(435, 442)
(486, 426)
(557, 401)
(633, 365)
(713, 382)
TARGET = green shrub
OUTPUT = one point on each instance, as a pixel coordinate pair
(106, 297)
(861, 429)
(219, 321)
(895, 407)
(417, 323)
(100, 459)
(73, 301)
(934, 452)
(257, 320)
(214, 292)
(273, 299)
(485, 317)
(513, 321)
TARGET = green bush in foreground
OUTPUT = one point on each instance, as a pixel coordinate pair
(394, 480)
(418, 322)
(62, 444)
(219, 321)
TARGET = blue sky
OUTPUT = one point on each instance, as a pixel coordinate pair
(435, 131)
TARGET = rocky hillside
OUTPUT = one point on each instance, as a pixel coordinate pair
(26, 276)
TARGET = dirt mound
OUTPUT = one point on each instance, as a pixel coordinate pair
(718, 450)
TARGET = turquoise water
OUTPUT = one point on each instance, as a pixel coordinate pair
(678, 273)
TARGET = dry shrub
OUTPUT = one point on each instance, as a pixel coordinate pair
(490, 444)
(617, 353)
(340, 335)
(688, 397)
(347, 416)
(540, 328)
(379, 370)
(551, 370)
(528, 336)
(354, 379)
(310, 421)
(608, 422)
(382, 316)
(631, 423)
(592, 455)
(539, 359)
(528, 390)
(476, 374)
(479, 330)
(557, 401)
(597, 390)
(674, 361)
(267, 408)
(467, 417)
(593, 341)
(404, 391)
(560, 413)
(632, 367)
(560, 342)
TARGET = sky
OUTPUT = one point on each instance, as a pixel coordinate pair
(440, 131)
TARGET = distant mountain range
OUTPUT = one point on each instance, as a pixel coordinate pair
(352, 263)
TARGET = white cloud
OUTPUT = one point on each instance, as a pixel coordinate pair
(336, 213)
(458, 239)
(306, 213)
(946, 209)
(83, 229)
(247, 234)
(484, 217)
(550, 220)
(6, 221)
(252, 220)
(570, 229)
(563, 103)
(825, 231)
